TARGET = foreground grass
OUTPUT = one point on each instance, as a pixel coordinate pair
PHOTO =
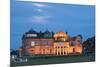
(55, 59)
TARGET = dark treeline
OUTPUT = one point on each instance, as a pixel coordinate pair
(14, 52)
(89, 46)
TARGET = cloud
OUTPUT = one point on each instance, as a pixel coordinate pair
(39, 10)
(40, 5)
(39, 19)
(36, 4)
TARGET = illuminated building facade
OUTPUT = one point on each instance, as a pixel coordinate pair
(48, 43)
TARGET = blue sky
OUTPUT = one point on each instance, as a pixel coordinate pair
(74, 19)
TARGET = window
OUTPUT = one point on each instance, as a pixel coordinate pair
(64, 52)
(64, 46)
(58, 47)
(31, 35)
(64, 39)
(32, 50)
(32, 43)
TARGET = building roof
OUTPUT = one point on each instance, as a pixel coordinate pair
(61, 34)
(47, 32)
(31, 31)
(40, 34)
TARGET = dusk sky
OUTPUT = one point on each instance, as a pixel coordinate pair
(74, 19)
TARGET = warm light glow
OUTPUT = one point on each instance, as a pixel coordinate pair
(32, 43)
(60, 34)
(48, 46)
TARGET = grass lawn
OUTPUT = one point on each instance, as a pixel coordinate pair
(55, 60)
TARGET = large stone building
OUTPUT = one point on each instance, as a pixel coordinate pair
(48, 43)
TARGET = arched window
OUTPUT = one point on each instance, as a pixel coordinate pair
(65, 47)
(58, 53)
(74, 50)
(61, 46)
(64, 53)
(61, 52)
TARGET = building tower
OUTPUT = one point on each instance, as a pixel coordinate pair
(61, 43)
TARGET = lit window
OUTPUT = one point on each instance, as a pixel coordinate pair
(31, 35)
(32, 43)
